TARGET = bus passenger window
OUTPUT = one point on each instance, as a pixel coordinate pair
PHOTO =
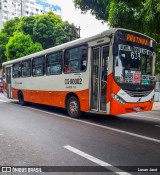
(26, 68)
(16, 70)
(75, 59)
(84, 51)
(54, 63)
(38, 66)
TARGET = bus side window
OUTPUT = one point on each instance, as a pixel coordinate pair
(75, 59)
(16, 70)
(26, 68)
(54, 63)
(84, 51)
(38, 66)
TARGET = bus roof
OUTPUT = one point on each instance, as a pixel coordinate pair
(108, 33)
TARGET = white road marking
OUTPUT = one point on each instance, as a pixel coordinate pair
(3, 101)
(95, 160)
(97, 125)
(153, 118)
(141, 117)
(157, 126)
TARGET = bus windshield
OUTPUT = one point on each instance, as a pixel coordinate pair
(134, 64)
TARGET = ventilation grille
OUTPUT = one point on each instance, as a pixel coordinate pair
(137, 93)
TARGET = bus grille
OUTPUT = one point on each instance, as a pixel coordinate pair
(137, 93)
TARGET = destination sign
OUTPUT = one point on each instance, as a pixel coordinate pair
(137, 39)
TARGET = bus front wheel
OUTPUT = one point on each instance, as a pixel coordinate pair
(21, 99)
(73, 107)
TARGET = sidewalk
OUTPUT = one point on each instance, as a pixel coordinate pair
(156, 106)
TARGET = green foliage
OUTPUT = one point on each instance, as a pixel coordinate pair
(43, 31)
(99, 8)
(64, 32)
(21, 45)
(3, 41)
(10, 26)
(26, 25)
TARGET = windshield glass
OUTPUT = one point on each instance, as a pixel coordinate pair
(134, 64)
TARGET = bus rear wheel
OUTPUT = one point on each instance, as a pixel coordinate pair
(73, 107)
(21, 99)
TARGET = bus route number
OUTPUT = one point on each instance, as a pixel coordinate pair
(73, 81)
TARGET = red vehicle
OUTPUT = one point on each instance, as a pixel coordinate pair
(1, 85)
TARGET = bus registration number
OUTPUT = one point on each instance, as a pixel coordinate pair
(73, 81)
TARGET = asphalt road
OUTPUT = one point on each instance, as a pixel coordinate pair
(38, 135)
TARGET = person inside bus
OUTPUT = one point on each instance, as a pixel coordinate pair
(66, 69)
(128, 67)
(83, 65)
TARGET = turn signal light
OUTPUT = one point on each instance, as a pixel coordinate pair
(118, 99)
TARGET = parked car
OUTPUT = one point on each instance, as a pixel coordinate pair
(1, 85)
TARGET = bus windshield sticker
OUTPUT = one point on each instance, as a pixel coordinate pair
(118, 71)
(137, 77)
(152, 78)
(129, 76)
(145, 77)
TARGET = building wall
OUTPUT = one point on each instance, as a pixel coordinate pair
(19, 8)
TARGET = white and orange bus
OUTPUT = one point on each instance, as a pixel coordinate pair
(111, 73)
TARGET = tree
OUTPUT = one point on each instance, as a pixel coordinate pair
(99, 8)
(43, 31)
(7, 31)
(3, 41)
(50, 30)
(11, 26)
(26, 25)
(64, 32)
(21, 45)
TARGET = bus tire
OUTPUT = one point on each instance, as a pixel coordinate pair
(21, 98)
(73, 107)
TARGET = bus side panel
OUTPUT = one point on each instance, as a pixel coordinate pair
(53, 98)
(4, 87)
(15, 93)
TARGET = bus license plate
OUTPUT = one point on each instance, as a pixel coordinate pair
(137, 108)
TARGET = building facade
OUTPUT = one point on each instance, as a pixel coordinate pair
(18, 8)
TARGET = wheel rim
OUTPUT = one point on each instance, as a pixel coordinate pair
(73, 106)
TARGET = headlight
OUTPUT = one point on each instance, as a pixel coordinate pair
(117, 98)
(152, 98)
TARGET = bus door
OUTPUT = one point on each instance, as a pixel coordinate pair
(8, 81)
(99, 70)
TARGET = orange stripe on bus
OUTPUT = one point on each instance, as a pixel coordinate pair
(53, 98)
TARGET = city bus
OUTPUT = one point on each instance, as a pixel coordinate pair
(110, 73)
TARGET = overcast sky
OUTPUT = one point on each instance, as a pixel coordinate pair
(89, 24)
